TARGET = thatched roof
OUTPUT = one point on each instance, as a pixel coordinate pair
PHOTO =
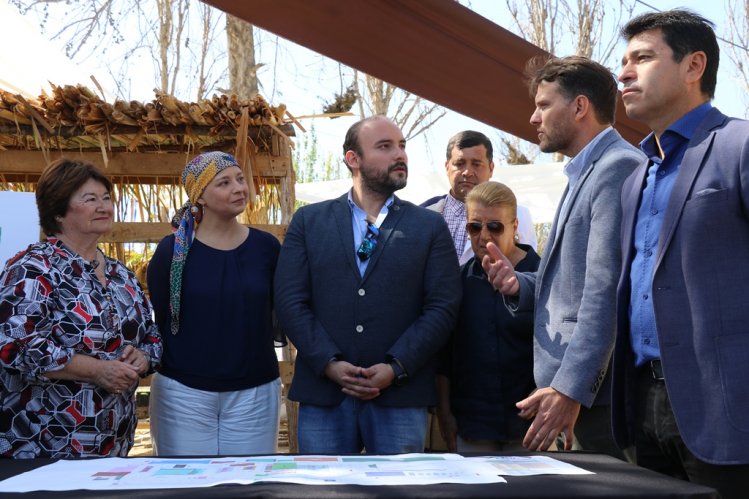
(75, 119)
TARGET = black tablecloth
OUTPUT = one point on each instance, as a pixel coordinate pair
(612, 479)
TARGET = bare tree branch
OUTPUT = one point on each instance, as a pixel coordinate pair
(738, 43)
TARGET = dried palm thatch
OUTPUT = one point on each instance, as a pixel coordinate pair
(75, 119)
(74, 116)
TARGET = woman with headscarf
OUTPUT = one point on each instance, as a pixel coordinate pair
(218, 389)
(75, 329)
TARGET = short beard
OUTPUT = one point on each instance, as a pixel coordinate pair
(385, 184)
(559, 142)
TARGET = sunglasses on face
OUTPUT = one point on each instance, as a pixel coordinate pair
(368, 245)
(474, 228)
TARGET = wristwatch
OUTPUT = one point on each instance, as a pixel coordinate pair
(401, 375)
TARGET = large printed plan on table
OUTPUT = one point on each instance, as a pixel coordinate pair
(164, 473)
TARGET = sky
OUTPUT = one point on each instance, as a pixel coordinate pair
(303, 79)
(427, 152)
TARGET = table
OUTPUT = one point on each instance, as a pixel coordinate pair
(612, 479)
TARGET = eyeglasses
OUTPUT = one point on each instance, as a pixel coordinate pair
(368, 245)
(496, 228)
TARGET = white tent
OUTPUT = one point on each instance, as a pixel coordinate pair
(538, 187)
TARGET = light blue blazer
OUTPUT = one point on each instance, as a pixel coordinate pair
(574, 290)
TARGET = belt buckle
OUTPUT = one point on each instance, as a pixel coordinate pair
(656, 370)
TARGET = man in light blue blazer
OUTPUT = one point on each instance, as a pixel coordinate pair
(367, 288)
(681, 362)
(574, 290)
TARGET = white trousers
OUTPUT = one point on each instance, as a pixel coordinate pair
(190, 422)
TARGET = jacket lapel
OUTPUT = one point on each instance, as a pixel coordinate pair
(691, 164)
(630, 204)
(386, 230)
(342, 214)
(561, 218)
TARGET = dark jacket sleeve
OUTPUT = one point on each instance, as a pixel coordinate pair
(442, 294)
(293, 300)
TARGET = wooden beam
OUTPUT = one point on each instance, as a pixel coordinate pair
(153, 232)
(415, 44)
(29, 164)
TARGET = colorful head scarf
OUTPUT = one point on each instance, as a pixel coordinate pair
(197, 175)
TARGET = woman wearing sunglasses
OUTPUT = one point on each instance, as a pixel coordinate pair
(488, 362)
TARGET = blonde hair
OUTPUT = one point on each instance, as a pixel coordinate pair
(493, 194)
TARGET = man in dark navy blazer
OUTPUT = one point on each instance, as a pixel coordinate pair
(681, 361)
(367, 288)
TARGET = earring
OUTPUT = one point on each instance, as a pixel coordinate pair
(517, 237)
(197, 212)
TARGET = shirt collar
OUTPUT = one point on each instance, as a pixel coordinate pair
(475, 269)
(573, 169)
(680, 130)
(453, 205)
(355, 207)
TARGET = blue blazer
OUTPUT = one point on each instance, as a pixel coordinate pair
(404, 306)
(700, 291)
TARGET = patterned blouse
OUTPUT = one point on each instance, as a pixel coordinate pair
(52, 306)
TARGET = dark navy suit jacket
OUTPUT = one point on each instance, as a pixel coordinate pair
(700, 295)
(404, 306)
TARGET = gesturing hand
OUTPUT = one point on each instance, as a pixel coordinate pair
(552, 413)
(499, 271)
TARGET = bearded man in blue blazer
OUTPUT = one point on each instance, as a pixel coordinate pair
(681, 363)
(367, 288)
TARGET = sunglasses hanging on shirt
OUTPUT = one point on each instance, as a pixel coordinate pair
(368, 245)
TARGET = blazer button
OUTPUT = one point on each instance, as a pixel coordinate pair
(359, 328)
(362, 292)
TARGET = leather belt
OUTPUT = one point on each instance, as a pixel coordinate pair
(656, 369)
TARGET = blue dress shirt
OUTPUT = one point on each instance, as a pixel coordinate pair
(575, 167)
(359, 222)
(662, 172)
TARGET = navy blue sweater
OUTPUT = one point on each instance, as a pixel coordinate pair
(225, 339)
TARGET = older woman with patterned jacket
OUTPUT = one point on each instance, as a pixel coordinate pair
(76, 331)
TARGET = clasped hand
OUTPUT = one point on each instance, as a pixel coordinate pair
(364, 383)
(122, 374)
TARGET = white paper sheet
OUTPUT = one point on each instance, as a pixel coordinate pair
(156, 473)
(530, 465)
